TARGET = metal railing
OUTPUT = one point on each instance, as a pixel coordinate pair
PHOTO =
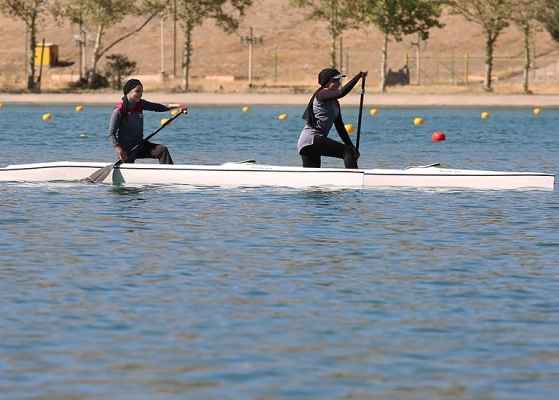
(468, 70)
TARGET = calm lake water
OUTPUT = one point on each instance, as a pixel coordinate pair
(175, 292)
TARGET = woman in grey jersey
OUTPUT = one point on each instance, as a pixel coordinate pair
(126, 128)
(323, 112)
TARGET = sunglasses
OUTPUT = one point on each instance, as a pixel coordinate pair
(335, 79)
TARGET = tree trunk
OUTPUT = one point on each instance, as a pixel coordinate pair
(527, 60)
(333, 31)
(31, 60)
(186, 56)
(384, 52)
(92, 78)
(489, 61)
(333, 51)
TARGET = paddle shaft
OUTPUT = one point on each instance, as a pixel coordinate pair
(158, 129)
(360, 112)
(139, 146)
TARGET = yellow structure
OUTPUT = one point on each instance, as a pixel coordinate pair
(50, 55)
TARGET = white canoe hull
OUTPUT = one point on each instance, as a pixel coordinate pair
(251, 174)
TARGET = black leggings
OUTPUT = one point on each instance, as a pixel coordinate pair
(153, 150)
(324, 146)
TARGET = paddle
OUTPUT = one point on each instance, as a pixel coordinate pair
(100, 175)
(360, 112)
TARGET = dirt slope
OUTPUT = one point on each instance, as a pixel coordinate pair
(293, 49)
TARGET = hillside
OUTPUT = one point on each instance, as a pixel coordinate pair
(292, 52)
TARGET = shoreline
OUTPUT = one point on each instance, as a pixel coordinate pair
(256, 99)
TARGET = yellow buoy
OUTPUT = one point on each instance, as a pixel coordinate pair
(418, 121)
(47, 117)
(1, 105)
(163, 120)
(175, 111)
(246, 109)
(374, 111)
(349, 128)
(484, 115)
(79, 108)
(536, 110)
(283, 116)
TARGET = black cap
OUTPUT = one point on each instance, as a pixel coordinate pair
(327, 74)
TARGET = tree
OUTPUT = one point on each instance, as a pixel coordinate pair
(193, 13)
(104, 14)
(339, 14)
(524, 14)
(550, 18)
(493, 16)
(552, 25)
(31, 12)
(118, 68)
(396, 18)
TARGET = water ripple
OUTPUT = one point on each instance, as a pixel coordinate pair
(177, 292)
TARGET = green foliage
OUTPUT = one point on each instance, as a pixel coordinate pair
(552, 25)
(94, 12)
(551, 20)
(338, 14)
(25, 10)
(402, 17)
(193, 13)
(492, 15)
(118, 67)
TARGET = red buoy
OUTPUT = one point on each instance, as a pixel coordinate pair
(438, 137)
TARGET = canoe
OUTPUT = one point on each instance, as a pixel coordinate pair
(249, 173)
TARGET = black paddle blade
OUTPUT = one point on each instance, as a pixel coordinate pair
(101, 175)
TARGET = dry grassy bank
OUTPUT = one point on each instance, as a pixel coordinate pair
(292, 52)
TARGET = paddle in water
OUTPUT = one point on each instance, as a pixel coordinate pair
(101, 175)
